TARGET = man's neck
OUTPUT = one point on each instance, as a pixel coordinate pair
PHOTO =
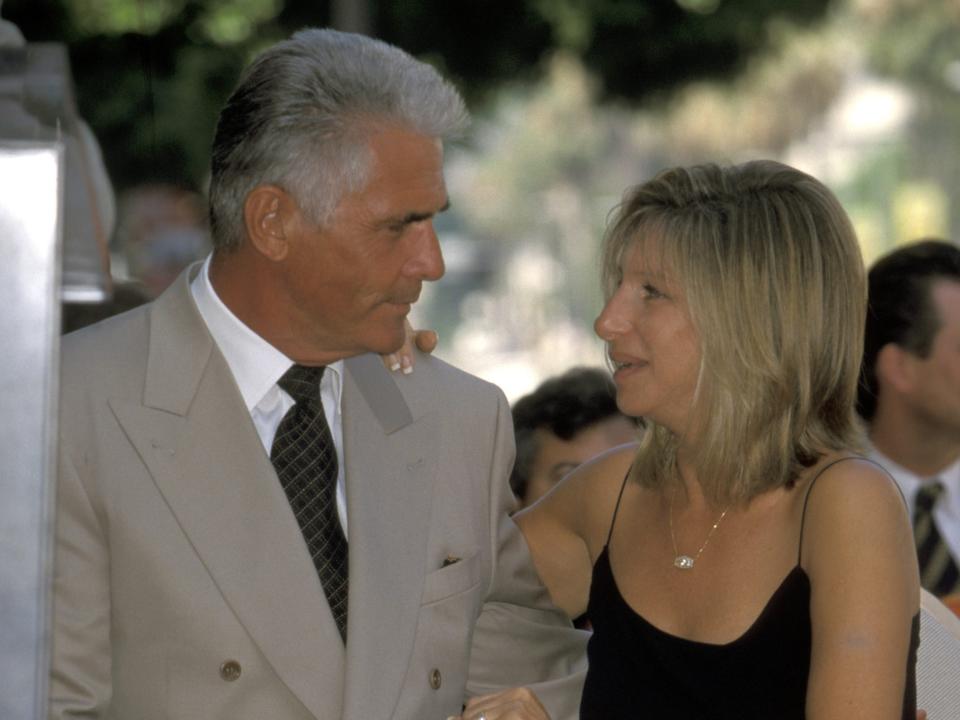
(919, 448)
(246, 285)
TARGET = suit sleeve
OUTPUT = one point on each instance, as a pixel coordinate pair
(520, 638)
(80, 681)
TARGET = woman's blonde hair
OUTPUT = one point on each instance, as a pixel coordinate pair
(775, 288)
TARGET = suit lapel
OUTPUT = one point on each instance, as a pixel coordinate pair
(389, 471)
(198, 442)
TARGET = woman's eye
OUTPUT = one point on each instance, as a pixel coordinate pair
(651, 292)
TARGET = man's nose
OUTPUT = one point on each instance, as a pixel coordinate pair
(426, 262)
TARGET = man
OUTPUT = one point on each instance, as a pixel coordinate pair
(910, 395)
(564, 422)
(228, 547)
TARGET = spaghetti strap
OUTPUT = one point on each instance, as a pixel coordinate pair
(806, 499)
(616, 509)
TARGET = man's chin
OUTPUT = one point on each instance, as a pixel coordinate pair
(390, 341)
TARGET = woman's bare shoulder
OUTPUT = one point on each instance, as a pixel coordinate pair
(854, 513)
(598, 481)
(849, 487)
(587, 491)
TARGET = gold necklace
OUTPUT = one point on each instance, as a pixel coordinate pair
(685, 562)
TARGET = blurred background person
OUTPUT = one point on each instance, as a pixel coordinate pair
(909, 396)
(161, 230)
(567, 420)
(564, 422)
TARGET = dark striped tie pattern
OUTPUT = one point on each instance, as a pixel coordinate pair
(305, 459)
(938, 571)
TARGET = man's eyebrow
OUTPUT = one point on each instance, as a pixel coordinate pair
(418, 217)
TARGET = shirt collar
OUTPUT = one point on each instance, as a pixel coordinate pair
(910, 482)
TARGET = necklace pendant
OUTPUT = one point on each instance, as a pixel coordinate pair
(683, 562)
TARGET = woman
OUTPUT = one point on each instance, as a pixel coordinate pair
(742, 561)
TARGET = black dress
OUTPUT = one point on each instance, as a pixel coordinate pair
(638, 671)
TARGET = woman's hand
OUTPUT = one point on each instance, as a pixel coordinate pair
(425, 340)
(514, 704)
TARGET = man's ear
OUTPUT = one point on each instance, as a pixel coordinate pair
(267, 214)
(897, 368)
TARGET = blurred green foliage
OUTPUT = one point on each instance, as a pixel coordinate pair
(917, 44)
(151, 74)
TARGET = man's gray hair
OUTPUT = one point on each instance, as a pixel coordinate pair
(301, 116)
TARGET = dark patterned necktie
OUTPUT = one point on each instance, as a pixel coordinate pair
(938, 571)
(305, 459)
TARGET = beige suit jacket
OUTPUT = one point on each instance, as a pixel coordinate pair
(183, 588)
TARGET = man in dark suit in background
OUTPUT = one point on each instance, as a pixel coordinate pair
(910, 395)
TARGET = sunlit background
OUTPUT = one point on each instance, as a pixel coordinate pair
(573, 100)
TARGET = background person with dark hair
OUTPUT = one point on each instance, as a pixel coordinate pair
(566, 421)
(909, 395)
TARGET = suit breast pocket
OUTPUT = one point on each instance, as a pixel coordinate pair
(455, 578)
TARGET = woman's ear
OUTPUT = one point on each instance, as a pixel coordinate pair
(267, 212)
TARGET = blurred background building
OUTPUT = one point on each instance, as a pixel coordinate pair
(573, 101)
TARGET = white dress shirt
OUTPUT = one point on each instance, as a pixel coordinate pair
(946, 514)
(257, 366)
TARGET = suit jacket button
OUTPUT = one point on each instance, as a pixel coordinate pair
(435, 679)
(230, 670)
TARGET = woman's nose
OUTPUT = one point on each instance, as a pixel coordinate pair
(612, 319)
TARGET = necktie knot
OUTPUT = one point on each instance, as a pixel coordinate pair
(928, 494)
(302, 383)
